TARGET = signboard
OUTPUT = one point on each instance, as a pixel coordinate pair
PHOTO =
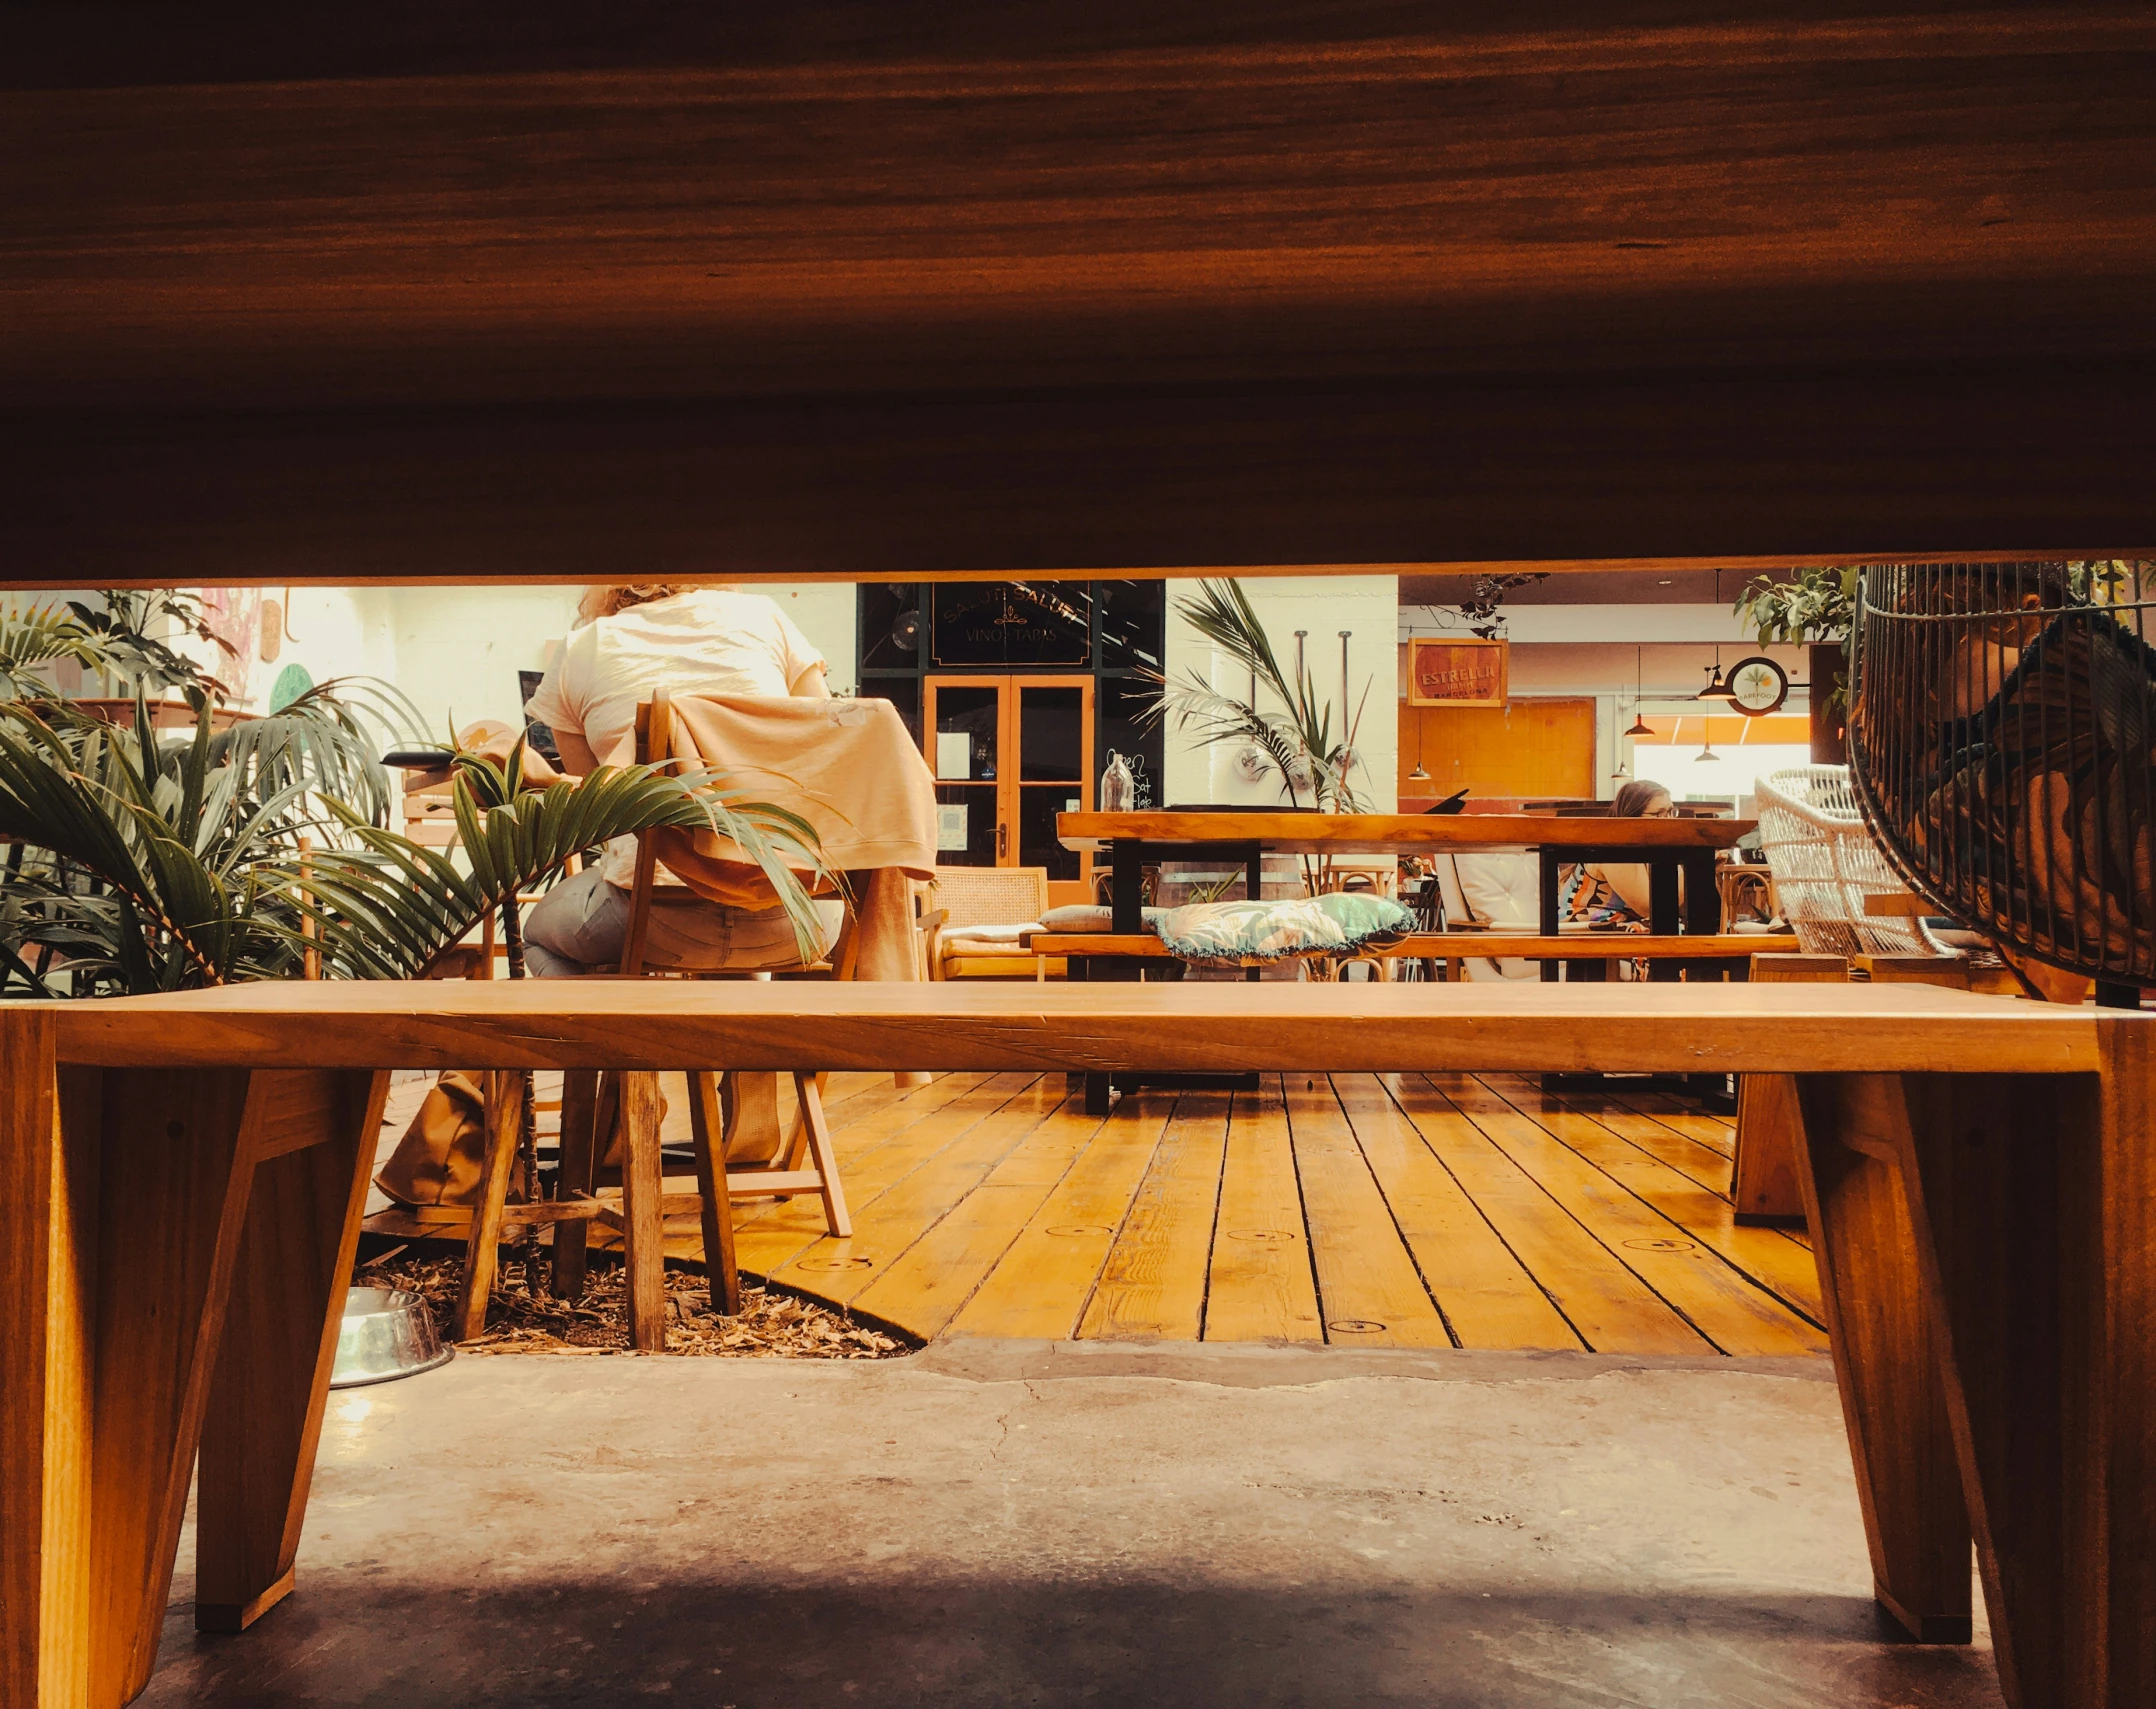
(1443, 671)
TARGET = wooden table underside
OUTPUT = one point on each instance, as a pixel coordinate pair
(186, 1175)
(1392, 833)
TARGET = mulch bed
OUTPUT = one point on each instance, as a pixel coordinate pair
(772, 1325)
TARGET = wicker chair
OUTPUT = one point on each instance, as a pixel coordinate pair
(1827, 867)
(963, 896)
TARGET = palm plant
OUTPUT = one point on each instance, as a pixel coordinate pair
(1299, 743)
(141, 860)
(384, 907)
(34, 639)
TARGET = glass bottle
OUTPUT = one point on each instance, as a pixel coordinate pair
(1118, 790)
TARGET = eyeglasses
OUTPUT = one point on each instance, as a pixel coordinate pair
(1668, 810)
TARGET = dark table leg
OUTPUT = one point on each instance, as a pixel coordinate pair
(1126, 895)
(1552, 863)
(1664, 918)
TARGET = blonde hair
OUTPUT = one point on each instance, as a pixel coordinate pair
(605, 601)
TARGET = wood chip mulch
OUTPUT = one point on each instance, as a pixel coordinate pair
(771, 1325)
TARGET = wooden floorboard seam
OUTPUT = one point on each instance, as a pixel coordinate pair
(1801, 1308)
(1392, 1092)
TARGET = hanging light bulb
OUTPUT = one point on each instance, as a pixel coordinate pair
(1640, 726)
(1717, 688)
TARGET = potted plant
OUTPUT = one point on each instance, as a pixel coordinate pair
(142, 858)
(1814, 609)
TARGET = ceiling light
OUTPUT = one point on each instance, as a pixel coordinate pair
(1716, 688)
(1640, 727)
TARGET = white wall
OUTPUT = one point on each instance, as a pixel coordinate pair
(1369, 606)
(456, 651)
(824, 612)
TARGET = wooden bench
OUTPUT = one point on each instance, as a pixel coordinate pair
(185, 1176)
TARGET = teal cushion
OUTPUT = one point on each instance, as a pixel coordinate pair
(1273, 931)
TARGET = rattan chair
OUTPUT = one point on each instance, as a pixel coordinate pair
(1827, 866)
(963, 896)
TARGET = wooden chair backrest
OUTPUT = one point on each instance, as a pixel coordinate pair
(654, 736)
(989, 895)
(655, 741)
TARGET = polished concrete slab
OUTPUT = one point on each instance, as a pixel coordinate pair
(1037, 1523)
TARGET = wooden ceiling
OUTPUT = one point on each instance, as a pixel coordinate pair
(484, 290)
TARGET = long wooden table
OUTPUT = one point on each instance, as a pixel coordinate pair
(182, 1179)
(1666, 847)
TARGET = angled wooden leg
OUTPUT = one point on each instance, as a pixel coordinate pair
(2035, 1205)
(826, 1159)
(715, 1203)
(579, 1160)
(1886, 1354)
(311, 1135)
(116, 1261)
(1763, 1175)
(482, 1247)
(48, 1326)
(643, 1236)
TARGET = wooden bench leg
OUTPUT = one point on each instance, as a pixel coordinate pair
(280, 1340)
(573, 1179)
(48, 1326)
(1886, 1355)
(714, 1202)
(482, 1246)
(127, 1192)
(1765, 1184)
(643, 1235)
(2035, 1204)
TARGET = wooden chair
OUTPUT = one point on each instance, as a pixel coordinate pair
(965, 896)
(738, 1148)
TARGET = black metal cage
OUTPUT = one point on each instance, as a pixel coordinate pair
(2002, 742)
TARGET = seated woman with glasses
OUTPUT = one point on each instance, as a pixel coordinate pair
(1615, 897)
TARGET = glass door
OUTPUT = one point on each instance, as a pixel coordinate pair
(1009, 754)
(962, 725)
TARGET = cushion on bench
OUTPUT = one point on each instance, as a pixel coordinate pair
(1273, 931)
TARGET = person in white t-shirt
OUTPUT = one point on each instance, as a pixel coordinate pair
(686, 640)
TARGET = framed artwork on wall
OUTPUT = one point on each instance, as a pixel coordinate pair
(1443, 670)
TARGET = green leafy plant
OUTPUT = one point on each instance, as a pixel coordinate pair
(141, 860)
(31, 640)
(384, 907)
(1816, 605)
(1298, 744)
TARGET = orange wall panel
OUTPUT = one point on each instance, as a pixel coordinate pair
(1540, 747)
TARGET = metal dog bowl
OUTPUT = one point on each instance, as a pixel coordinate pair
(386, 1334)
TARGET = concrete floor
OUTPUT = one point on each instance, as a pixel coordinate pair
(1029, 1523)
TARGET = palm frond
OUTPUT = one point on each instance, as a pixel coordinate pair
(40, 636)
(388, 908)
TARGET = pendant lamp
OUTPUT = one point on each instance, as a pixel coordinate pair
(1640, 726)
(1717, 688)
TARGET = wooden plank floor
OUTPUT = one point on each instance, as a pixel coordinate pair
(1356, 1209)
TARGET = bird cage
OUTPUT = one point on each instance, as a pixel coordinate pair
(1827, 866)
(2002, 744)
